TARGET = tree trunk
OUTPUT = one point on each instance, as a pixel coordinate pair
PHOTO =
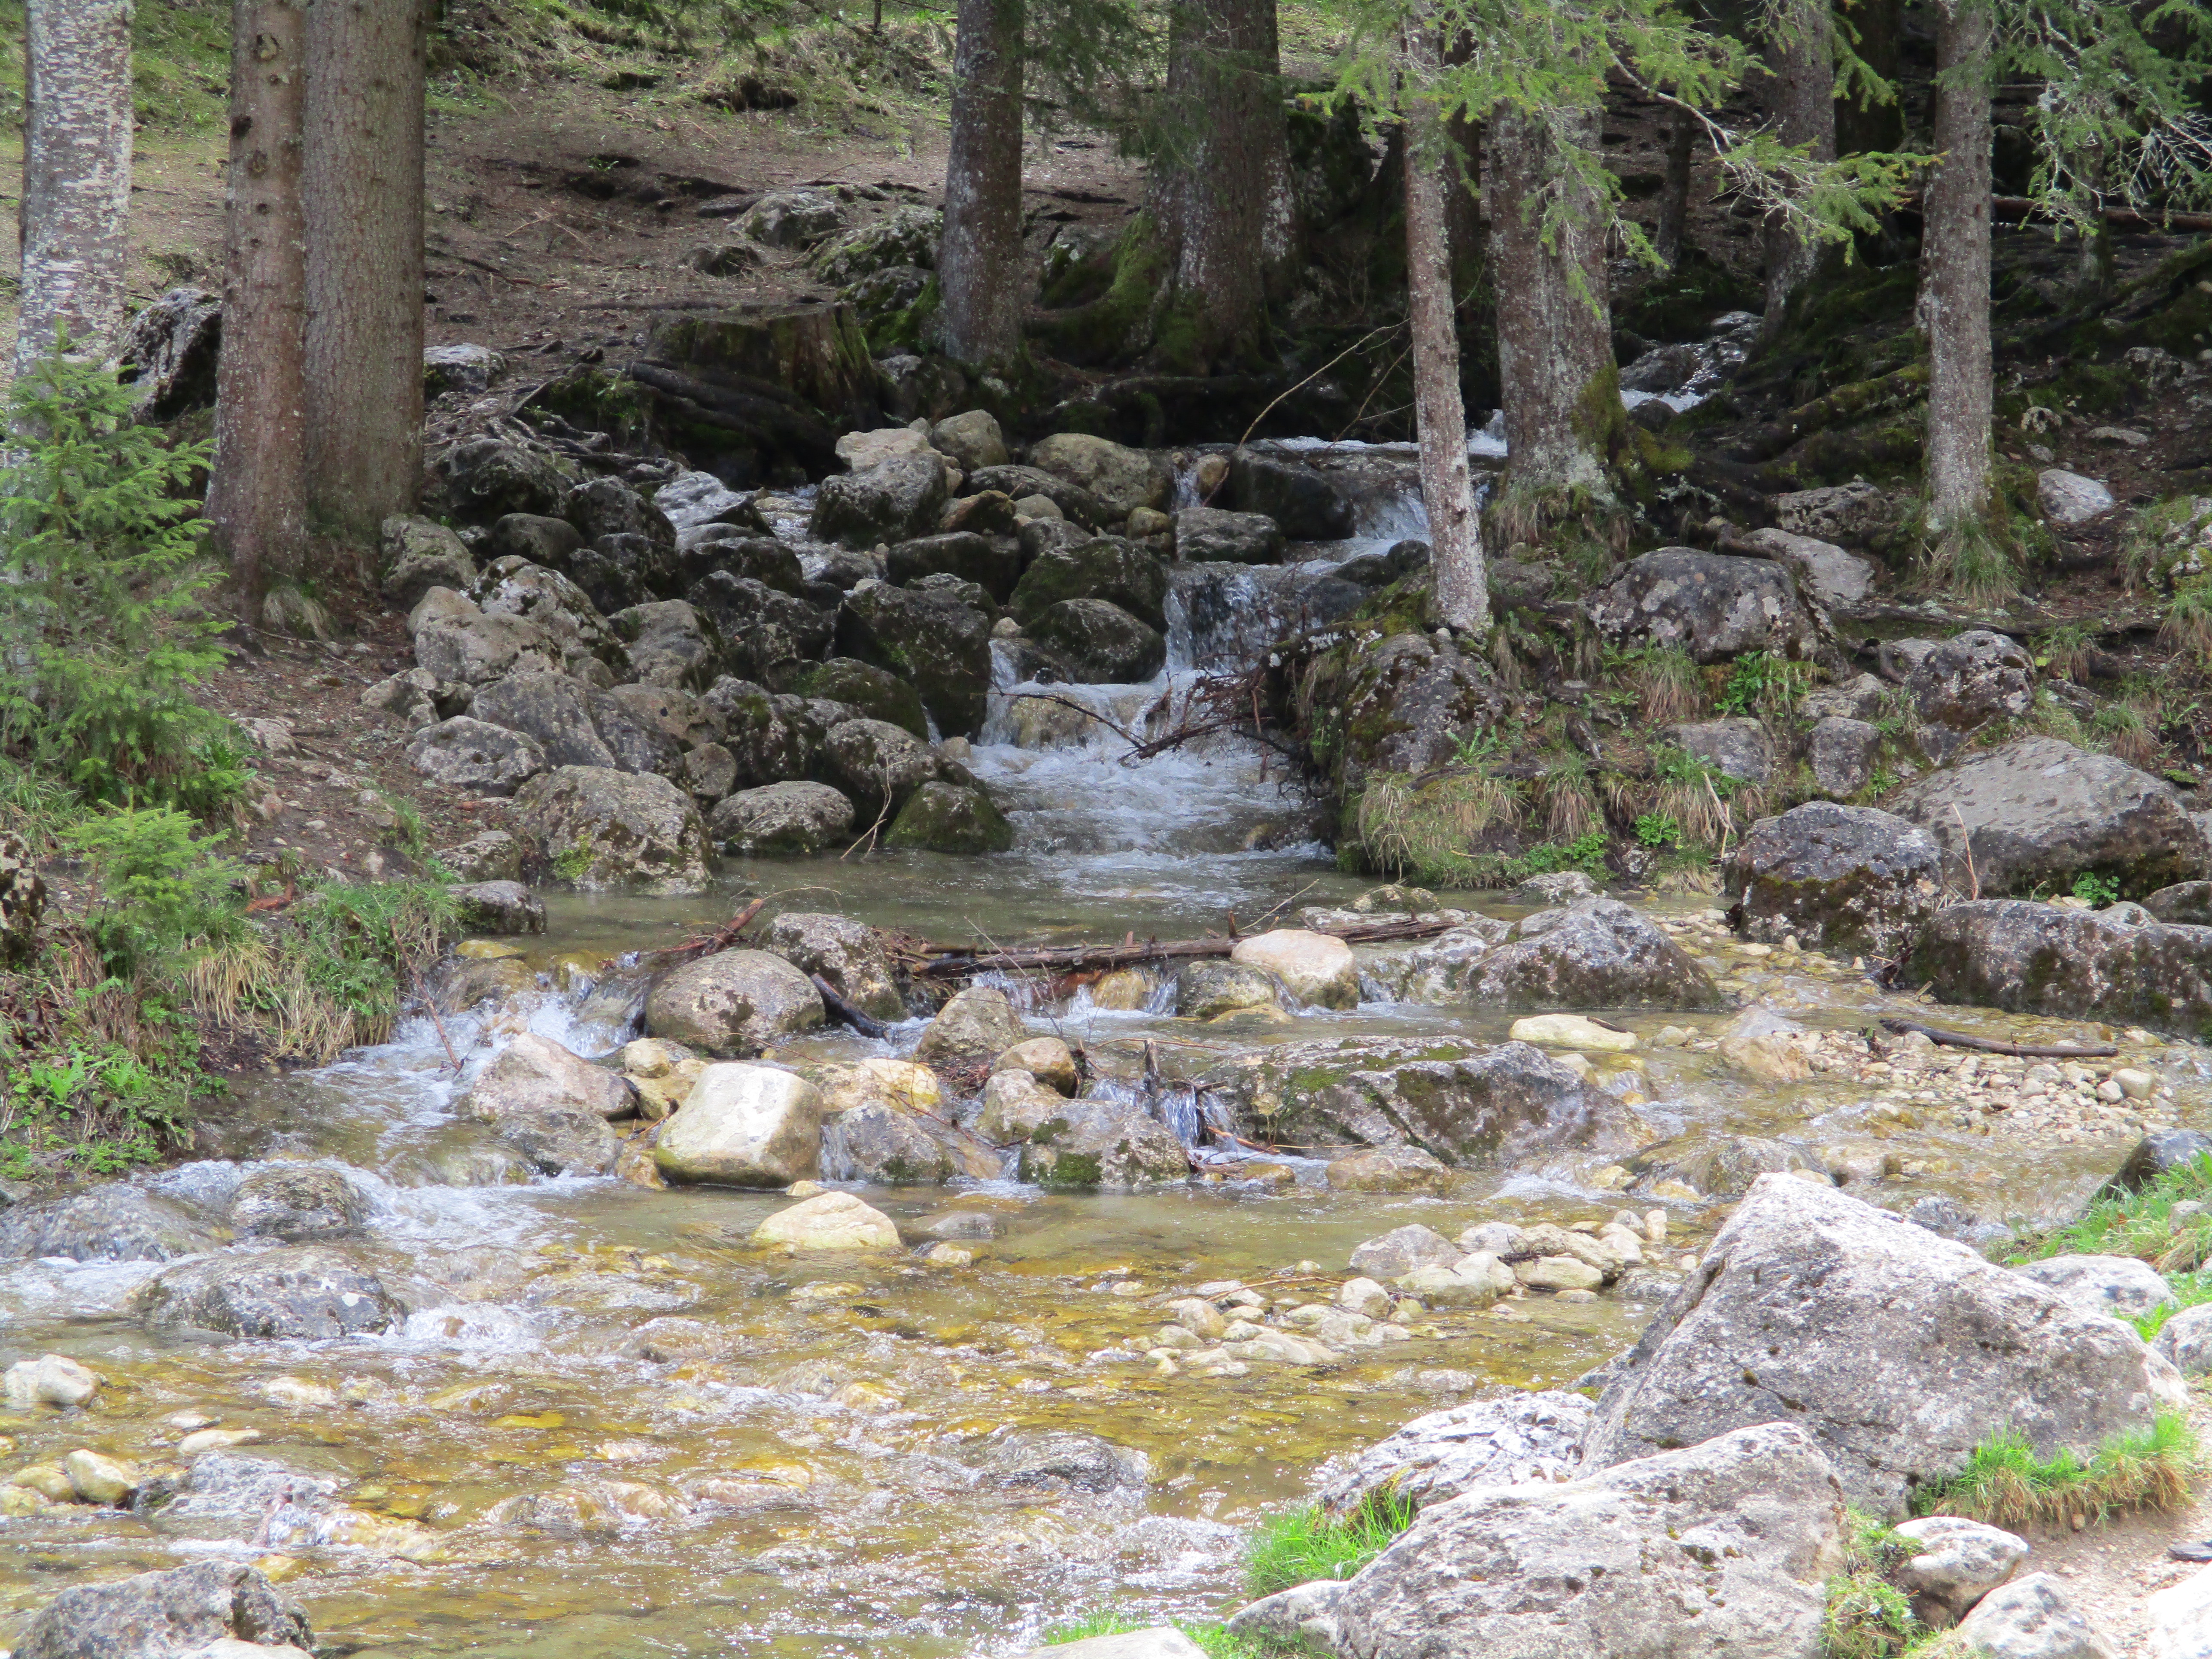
(258, 492)
(1674, 190)
(1560, 388)
(76, 177)
(1455, 530)
(1862, 124)
(362, 187)
(1221, 160)
(1279, 241)
(1954, 271)
(1802, 94)
(979, 265)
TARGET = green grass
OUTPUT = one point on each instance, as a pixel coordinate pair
(1302, 1545)
(1214, 1638)
(2007, 1485)
(2142, 1224)
(2190, 1291)
(1867, 1616)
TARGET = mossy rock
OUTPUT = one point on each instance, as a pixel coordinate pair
(950, 817)
(1105, 568)
(876, 692)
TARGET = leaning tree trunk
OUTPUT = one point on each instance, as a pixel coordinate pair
(979, 263)
(1674, 190)
(1802, 97)
(1222, 163)
(362, 187)
(1462, 592)
(1954, 271)
(257, 498)
(1555, 367)
(76, 177)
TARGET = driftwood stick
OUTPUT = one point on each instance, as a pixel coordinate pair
(841, 1010)
(1991, 1046)
(950, 962)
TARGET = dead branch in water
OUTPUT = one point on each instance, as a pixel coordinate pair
(949, 961)
(1992, 1046)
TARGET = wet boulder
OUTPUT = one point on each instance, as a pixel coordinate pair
(766, 635)
(1315, 968)
(848, 954)
(879, 766)
(209, 1610)
(2040, 809)
(1306, 505)
(959, 818)
(1597, 953)
(419, 554)
(1209, 535)
(550, 708)
(828, 1221)
(876, 692)
(1102, 643)
(559, 1138)
(298, 1203)
(1710, 604)
(744, 1125)
(607, 507)
(500, 907)
(295, 1292)
(1897, 1351)
(895, 500)
(604, 829)
(1461, 1102)
(974, 1026)
(991, 562)
(670, 643)
(1714, 1166)
(694, 501)
(2033, 958)
(1209, 988)
(881, 1142)
(1108, 1146)
(1057, 1458)
(1832, 576)
(1733, 1537)
(117, 1221)
(937, 645)
(781, 818)
(1106, 568)
(1507, 1441)
(533, 1071)
(1843, 879)
(732, 1003)
(1121, 480)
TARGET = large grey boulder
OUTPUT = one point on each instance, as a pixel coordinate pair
(419, 554)
(894, 501)
(939, 645)
(551, 603)
(489, 477)
(168, 1615)
(991, 562)
(733, 1003)
(1106, 1145)
(476, 757)
(670, 643)
(1207, 534)
(794, 218)
(1513, 1439)
(766, 634)
(551, 709)
(771, 738)
(781, 818)
(879, 765)
(2035, 958)
(1299, 498)
(471, 648)
(949, 818)
(603, 828)
(2040, 809)
(974, 1026)
(1710, 604)
(117, 1221)
(1121, 480)
(1503, 1101)
(1853, 512)
(849, 954)
(693, 500)
(1104, 568)
(1597, 953)
(168, 355)
(2031, 1617)
(1898, 1351)
(533, 1071)
(499, 907)
(1720, 1550)
(744, 1126)
(1843, 878)
(300, 1292)
(1102, 643)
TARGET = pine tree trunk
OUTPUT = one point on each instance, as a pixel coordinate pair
(258, 492)
(1462, 593)
(1555, 367)
(1954, 270)
(1222, 166)
(979, 263)
(1802, 98)
(76, 177)
(1674, 190)
(361, 187)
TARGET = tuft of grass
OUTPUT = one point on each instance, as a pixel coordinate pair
(1303, 1544)
(1969, 564)
(2007, 1485)
(1424, 832)
(1667, 685)
(1570, 809)
(2144, 1223)
(1214, 1638)
(1867, 1616)
(2188, 624)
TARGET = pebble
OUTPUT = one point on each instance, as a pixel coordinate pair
(98, 1478)
(207, 1440)
(950, 1255)
(50, 1379)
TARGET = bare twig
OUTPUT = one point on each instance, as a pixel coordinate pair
(1992, 1046)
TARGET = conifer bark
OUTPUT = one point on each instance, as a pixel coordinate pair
(257, 499)
(1801, 95)
(1463, 593)
(1221, 168)
(1555, 367)
(1674, 190)
(362, 187)
(1954, 270)
(979, 263)
(76, 177)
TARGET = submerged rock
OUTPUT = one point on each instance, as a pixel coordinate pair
(114, 1223)
(299, 1291)
(1059, 1457)
(297, 1203)
(1899, 1351)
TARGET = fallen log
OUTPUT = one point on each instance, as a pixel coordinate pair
(845, 1012)
(1945, 1039)
(953, 961)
